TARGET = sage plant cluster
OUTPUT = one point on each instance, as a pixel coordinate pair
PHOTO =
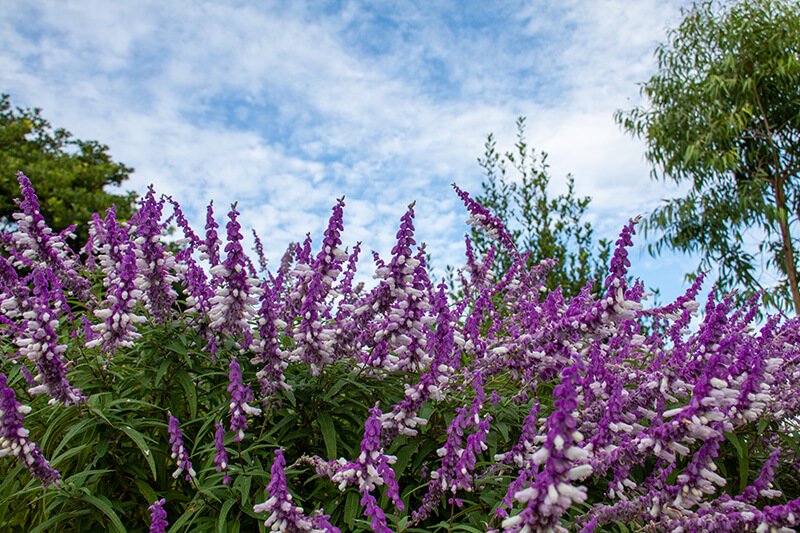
(157, 384)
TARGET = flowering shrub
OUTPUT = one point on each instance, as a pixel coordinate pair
(146, 390)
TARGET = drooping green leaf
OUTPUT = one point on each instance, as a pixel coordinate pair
(106, 509)
(328, 433)
(222, 525)
(138, 438)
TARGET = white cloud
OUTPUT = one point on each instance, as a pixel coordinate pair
(285, 108)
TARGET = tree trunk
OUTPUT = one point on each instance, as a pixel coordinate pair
(788, 250)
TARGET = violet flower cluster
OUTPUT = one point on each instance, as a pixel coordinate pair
(403, 419)
(404, 296)
(196, 287)
(267, 348)
(313, 339)
(284, 515)
(179, 454)
(36, 244)
(481, 219)
(232, 305)
(158, 270)
(221, 459)
(371, 469)
(458, 463)
(240, 396)
(550, 491)
(39, 344)
(158, 517)
(14, 437)
(117, 257)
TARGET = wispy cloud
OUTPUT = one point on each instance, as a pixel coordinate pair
(286, 106)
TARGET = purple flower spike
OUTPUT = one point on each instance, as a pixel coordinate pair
(119, 326)
(267, 348)
(441, 342)
(158, 517)
(14, 437)
(620, 262)
(371, 469)
(221, 459)
(240, 396)
(40, 245)
(457, 462)
(330, 258)
(210, 247)
(524, 446)
(259, 248)
(315, 341)
(38, 342)
(190, 239)
(284, 515)
(237, 293)
(179, 454)
(480, 218)
(375, 513)
(156, 265)
(551, 493)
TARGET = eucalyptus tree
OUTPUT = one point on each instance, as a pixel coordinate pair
(723, 115)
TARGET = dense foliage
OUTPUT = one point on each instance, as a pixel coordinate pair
(142, 390)
(70, 175)
(540, 225)
(723, 113)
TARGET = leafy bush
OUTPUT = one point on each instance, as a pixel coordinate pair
(544, 226)
(141, 387)
(71, 175)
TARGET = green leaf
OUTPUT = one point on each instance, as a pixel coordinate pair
(336, 388)
(243, 483)
(106, 509)
(129, 403)
(175, 345)
(138, 438)
(351, 507)
(79, 428)
(742, 455)
(189, 390)
(75, 450)
(45, 526)
(54, 425)
(194, 506)
(427, 448)
(161, 371)
(503, 429)
(328, 433)
(290, 396)
(80, 477)
(210, 494)
(222, 525)
(11, 477)
(146, 490)
(101, 414)
(464, 527)
(622, 527)
(404, 455)
(285, 421)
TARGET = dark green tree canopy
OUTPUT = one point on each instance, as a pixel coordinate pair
(69, 175)
(547, 227)
(723, 114)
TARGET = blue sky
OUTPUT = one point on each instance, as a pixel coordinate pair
(287, 106)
